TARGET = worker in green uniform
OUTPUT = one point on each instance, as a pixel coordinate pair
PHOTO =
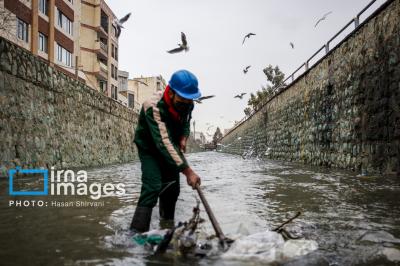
(161, 134)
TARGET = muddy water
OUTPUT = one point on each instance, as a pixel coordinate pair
(355, 220)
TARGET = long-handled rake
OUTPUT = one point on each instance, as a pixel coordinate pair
(224, 241)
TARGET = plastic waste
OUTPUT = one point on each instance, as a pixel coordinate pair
(268, 247)
(153, 237)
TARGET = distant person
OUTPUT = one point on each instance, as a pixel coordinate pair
(161, 135)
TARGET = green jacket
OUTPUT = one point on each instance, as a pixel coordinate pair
(157, 133)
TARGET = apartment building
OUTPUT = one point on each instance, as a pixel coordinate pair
(99, 47)
(125, 97)
(47, 28)
(144, 87)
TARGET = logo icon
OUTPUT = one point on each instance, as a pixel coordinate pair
(43, 172)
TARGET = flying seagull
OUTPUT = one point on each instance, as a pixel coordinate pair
(199, 100)
(246, 69)
(120, 22)
(142, 82)
(182, 47)
(323, 18)
(248, 35)
(291, 44)
(240, 96)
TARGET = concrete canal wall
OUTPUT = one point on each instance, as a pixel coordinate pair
(344, 112)
(49, 119)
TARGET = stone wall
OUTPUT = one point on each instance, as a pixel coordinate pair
(344, 112)
(49, 119)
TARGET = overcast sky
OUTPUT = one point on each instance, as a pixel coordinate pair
(214, 30)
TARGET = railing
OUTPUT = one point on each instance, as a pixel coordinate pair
(103, 66)
(104, 47)
(103, 69)
(355, 21)
(326, 47)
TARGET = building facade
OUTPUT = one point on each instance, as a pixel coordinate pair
(143, 88)
(47, 28)
(99, 47)
(125, 97)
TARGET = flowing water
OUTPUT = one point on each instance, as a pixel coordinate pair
(355, 220)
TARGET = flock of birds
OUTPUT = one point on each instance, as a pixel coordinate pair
(183, 47)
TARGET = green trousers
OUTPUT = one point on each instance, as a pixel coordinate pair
(158, 182)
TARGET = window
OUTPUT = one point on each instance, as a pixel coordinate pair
(64, 23)
(115, 72)
(115, 31)
(131, 100)
(22, 30)
(104, 21)
(114, 51)
(114, 92)
(42, 42)
(103, 85)
(64, 56)
(71, 1)
(43, 6)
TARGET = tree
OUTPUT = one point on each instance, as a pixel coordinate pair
(8, 26)
(247, 111)
(275, 78)
(217, 136)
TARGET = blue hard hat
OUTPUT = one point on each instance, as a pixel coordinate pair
(185, 84)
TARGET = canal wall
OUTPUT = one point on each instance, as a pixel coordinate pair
(343, 112)
(50, 119)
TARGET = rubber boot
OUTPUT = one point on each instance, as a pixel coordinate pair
(167, 214)
(167, 209)
(141, 219)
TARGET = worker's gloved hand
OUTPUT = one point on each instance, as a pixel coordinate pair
(182, 144)
(192, 178)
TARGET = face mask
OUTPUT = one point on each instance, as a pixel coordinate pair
(183, 108)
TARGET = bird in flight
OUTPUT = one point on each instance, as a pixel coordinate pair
(182, 47)
(292, 45)
(248, 35)
(240, 96)
(119, 23)
(199, 100)
(323, 18)
(246, 69)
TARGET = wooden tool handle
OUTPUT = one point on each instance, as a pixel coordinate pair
(210, 214)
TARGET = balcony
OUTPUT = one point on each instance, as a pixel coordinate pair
(101, 71)
(104, 47)
(101, 50)
(103, 28)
